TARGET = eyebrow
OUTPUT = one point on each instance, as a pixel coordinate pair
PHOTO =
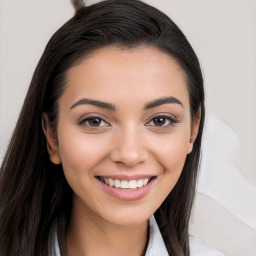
(97, 103)
(101, 104)
(161, 101)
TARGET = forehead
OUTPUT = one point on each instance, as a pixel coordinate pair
(113, 73)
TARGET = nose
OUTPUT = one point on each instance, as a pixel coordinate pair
(129, 148)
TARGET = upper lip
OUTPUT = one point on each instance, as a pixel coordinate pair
(127, 176)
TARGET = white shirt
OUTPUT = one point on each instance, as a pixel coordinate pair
(156, 246)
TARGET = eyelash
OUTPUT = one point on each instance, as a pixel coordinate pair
(166, 118)
(85, 121)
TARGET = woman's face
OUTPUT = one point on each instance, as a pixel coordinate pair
(124, 132)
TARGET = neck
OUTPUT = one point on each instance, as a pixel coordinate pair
(88, 235)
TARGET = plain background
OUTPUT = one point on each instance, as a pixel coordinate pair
(223, 34)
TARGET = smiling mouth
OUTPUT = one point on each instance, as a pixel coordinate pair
(125, 184)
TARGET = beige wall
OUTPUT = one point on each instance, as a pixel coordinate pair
(223, 34)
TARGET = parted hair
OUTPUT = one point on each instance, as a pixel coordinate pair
(34, 193)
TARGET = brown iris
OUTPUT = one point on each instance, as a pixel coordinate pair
(94, 121)
(159, 121)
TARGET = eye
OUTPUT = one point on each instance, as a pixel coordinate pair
(162, 121)
(93, 121)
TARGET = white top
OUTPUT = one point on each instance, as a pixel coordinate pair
(156, 246)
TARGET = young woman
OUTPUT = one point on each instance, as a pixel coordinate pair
(105, 154)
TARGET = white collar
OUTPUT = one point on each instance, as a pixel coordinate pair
(155, 247)
(156, 244)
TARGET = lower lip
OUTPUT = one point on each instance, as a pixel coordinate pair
(128, 194)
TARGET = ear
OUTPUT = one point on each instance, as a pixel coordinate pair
(194, 130)
(52, 145)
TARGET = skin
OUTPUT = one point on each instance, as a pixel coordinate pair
(129, 141)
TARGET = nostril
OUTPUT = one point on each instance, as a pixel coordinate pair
(128, 147)
(128, 158)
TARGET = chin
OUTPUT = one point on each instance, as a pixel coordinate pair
(128, 217)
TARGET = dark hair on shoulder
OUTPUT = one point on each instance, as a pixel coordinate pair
(34, 193)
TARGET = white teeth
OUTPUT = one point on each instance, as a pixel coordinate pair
(110, 182)
(117, 183)
(125, 184)
(132, 184)
(145, 182)
(140, 183)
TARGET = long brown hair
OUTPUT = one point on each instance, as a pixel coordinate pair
(34, 193)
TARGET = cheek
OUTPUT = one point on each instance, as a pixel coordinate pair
(172, 153)
(80, 152)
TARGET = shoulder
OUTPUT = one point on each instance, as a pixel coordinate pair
(156, 244)
(200, 248)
